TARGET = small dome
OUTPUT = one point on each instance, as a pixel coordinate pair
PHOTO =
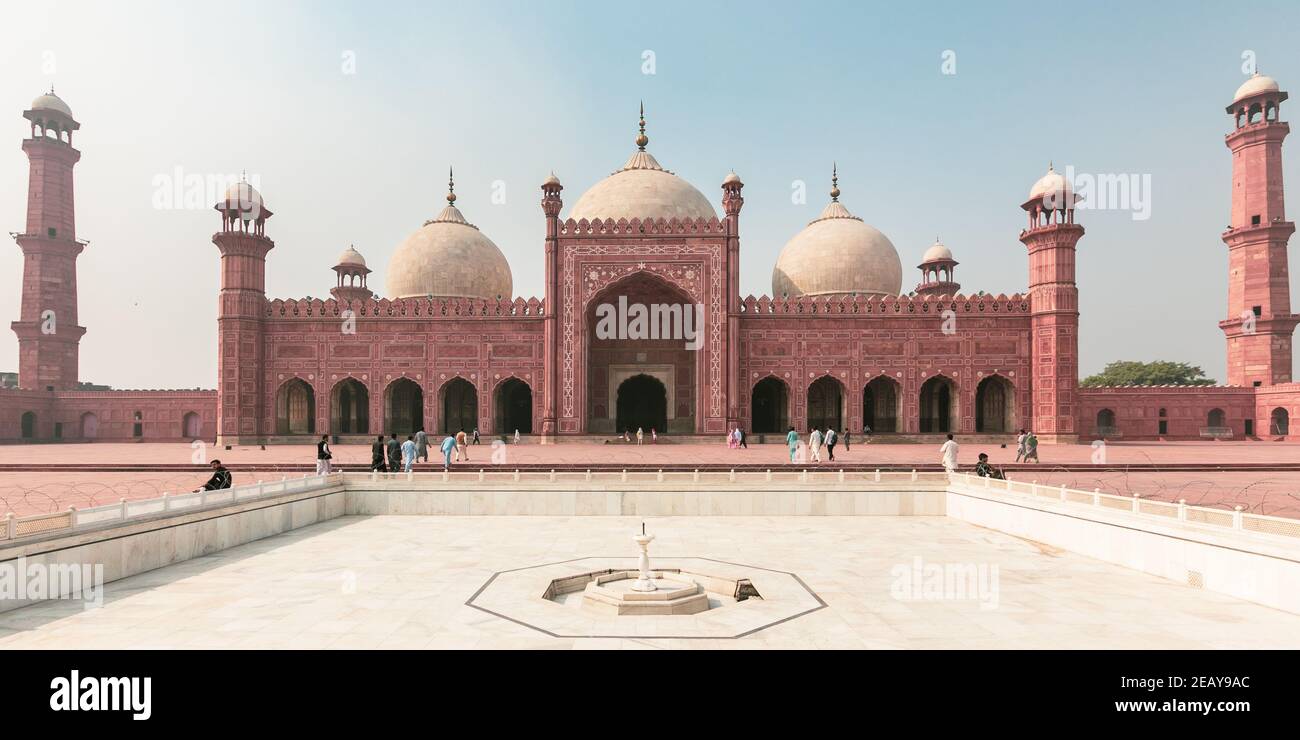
(351, 256)
(837, 253)
(552, 180)
(50, 101)
(242, 196)
(449, 257)
(644, 190)
(731, 178)
(1051, 184)
(1257, 83)
(936, 252)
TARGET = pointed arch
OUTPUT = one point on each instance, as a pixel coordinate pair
(938, 405)
(350, 406)
(295, 408)
(825, 403)
(769, 405)
(882, 399)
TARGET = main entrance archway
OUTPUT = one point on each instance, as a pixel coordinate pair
(938, 405)
(769, 406)
(642, 404)
(825, 404)
(459, 406)
(636, 326)
(514, 407)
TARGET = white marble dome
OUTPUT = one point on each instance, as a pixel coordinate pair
(837, 253)
(1257, 83)
(1051, 183)
(242, 196)
(50, 101)
(644, 190)
(449, 257)
(936, 252)
(351, 256)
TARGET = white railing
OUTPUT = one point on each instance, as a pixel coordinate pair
(1180, 511)
(73, 519)
(784, 474)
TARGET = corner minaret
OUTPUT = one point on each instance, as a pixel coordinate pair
(241, 307)
(552, 203)
(1260, 323)
(352, 274)
(49, 336)
(1052, 238)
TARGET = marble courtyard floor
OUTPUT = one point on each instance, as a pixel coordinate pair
(403, 582)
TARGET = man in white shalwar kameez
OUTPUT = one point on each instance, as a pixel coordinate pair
(949, 453)
(815, 445)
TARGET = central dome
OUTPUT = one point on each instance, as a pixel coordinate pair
(449, 257)
(836, 254)
(643, 190)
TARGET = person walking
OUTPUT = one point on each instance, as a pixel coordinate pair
(448, 445)
(462, 446)
(377, 456)
(831, 438)
(640, 435)
(866, 434)
(1020, 445)
(221, 478)
(394, 454)
(846, 439)
(422, 445)
(792, 441)
(408, 454)
(323, 455)
(815, 446)
(654, 436)
(516, 436)
(476, 435)
(741, 432)
(1031, 447)
(949, 454)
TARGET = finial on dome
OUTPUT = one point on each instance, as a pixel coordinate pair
(835, 183)
(642, 139)
(451, 185)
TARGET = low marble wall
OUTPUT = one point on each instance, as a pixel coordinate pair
(136, 547)
(1247, 565)
(614, 501)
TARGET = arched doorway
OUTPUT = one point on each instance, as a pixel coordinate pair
(880, 405)
(295, 408)
(938, 412)
(995, 409)
(825, 404)
(350, 407)
(89, 425)
(642, 404)
(29, 425)
(192, 426)
(1105, 422)
(1216, 419)
(459, 406)
(769, 406)
(639, 325)
(1279, 422)
(403, 407)
(514, 407)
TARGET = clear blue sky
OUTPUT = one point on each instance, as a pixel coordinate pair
(510, 91)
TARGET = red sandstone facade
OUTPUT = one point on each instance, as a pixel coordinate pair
(355, 365)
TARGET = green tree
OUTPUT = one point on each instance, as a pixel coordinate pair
(1126, 372)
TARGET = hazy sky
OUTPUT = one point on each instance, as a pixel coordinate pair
(507, 92)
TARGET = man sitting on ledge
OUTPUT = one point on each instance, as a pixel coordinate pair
(220, 478)
(984, 470)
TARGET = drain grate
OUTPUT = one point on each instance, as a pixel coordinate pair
(1195, 579)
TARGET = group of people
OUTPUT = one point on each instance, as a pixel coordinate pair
(1026, 450)
(736, 439)
(627, 435)
(817, 440)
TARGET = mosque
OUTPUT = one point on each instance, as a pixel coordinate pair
(840, 342)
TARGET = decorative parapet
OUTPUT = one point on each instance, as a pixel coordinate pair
(886, 305)
(429, 308)
(636, 227)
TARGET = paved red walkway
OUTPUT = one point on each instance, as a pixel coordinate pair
(27, 492)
